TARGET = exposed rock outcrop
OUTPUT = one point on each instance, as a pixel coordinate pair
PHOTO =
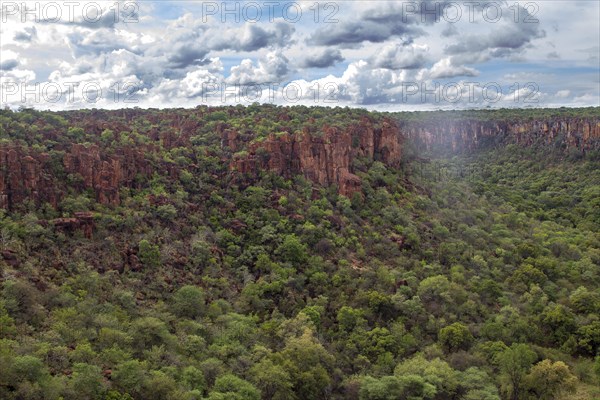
(23, 176)
(116, 157)
(106, 174)
(83, 221)
(28, 175)
(464, 135)
(325, 159)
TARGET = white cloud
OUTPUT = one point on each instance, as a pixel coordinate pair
(445, 68)
(170, 58)
(398, 55)
(273, 68)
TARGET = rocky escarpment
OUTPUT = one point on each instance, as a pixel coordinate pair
(29, 175)
(24, 175)
(464, 135)
(106, 174)
(45, 156)
(323, 157)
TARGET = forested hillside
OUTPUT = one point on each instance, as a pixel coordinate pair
(299, 253)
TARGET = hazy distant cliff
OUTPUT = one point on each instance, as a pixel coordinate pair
(468, 134)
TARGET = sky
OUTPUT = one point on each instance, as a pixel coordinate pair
(379, 55)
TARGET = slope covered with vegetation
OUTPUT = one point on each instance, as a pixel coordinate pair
(469, 277)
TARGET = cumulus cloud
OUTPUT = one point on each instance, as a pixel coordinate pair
(185, 42)
(85, 42)
(505, 39)
(9, 60)
(360, 84)
(445, 68)
(86, 14)
(450, 30)
(322, 59)
(273, 68)
(400, 56)
(249, 37)
(7, 65)
(26, 35)
(354, 32)
(381, 22)
(384, 46)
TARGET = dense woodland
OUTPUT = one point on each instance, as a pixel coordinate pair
(473, 276)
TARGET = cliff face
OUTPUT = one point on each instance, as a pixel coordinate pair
(22, 177)
(106, 174)
(28, 175)
(465, 135)
(325, 158)
(323, 154)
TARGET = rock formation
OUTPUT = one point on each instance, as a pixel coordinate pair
(325, 158)
(23, 176)
(83, 221)
(28, 175)
(106, 174)
(321, 153)
(464, 135)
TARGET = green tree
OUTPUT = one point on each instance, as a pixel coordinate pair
(149, 254)
(230, 387)
(273, 380)
(478, 385)
(558, 322)
(348, 318)
(308, 364)
(455, 337)
(193, 379)
(435, 372)
(549, 381)
(396, 387)
(588, 338)
(514, 363)
(188, 302)
(293, 250)
(149, 331)
(584, 301)
(130, 377)
(87, 382)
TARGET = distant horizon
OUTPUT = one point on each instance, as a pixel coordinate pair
(555, 107)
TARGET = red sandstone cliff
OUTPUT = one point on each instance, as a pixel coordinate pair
(323, 155)
(106, 174)
(578, 133)
(27, 175)
(325, 159)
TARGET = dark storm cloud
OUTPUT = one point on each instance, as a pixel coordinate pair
(323, 59)
(355, 32)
